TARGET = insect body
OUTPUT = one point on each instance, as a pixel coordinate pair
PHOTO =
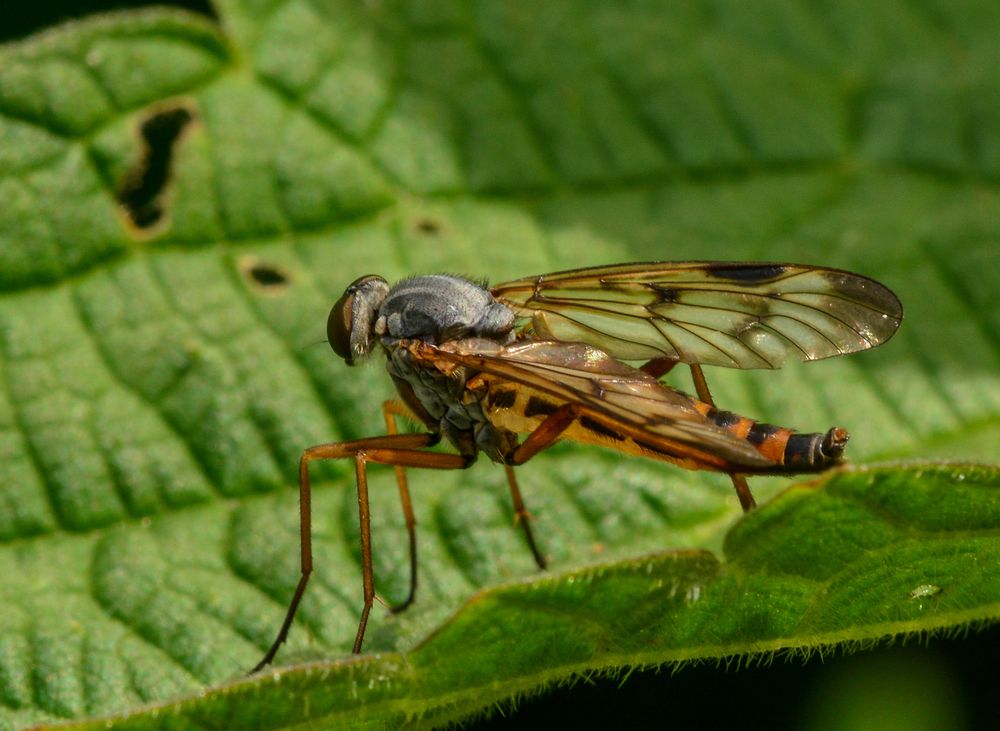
(543, 357)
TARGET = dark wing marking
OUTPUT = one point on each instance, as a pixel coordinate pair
(740, 315)
(612, 394)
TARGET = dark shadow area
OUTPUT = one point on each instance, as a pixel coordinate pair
(21, 17)
(953, 677)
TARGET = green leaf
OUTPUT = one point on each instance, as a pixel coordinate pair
(182, 203)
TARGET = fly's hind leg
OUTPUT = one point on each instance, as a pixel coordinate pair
(739, 481)
(743, 492)
(399, 450)
(660, 366)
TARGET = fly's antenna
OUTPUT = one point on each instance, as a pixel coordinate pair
(314, 343)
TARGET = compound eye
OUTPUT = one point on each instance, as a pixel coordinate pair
(355, 310)
(338, 326)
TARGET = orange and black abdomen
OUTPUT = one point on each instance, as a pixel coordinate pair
(797, 452)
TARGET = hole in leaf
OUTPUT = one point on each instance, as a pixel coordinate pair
(265, 276)
(141, 190)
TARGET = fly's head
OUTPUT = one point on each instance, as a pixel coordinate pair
(350, 328)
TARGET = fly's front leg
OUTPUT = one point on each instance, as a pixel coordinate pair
(401, 450)
(398, 457)
(739, 481)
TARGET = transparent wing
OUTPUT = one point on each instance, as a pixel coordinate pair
(619, 397)
(739, 315)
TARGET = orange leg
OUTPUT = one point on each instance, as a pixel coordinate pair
(544, 435)
(660, 366)
(401, 450)
(739, 481)
(390, 410)
(522, 516)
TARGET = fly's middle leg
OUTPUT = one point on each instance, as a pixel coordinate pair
(544, 435)
(522, 516)
(390, 410)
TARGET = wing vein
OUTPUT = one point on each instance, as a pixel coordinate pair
(800, 311)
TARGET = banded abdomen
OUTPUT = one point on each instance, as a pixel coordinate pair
(585, 395)
(798, 452)
(523, 410)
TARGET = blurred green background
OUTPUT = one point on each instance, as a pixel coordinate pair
(943, 683)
